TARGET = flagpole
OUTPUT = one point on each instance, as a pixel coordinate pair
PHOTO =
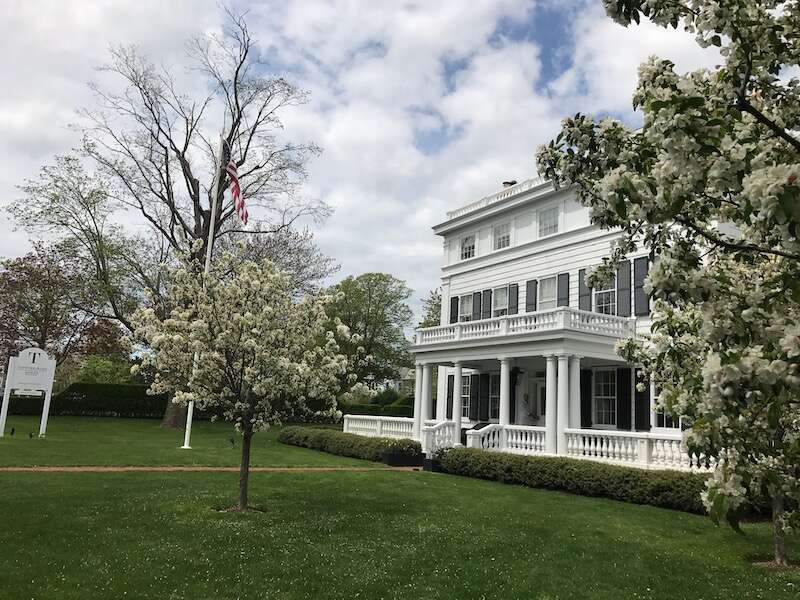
(212, 223)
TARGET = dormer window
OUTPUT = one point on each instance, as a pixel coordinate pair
(467, 247)
(548, 221)
(502, 236)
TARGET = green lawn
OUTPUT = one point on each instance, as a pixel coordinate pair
(359, 535)
(107, 441)
(376, 534)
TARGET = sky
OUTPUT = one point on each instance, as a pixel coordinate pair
(419, 107)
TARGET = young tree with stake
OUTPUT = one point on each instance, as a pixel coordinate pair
(263, 356)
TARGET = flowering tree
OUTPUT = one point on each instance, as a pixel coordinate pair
(710, 184)
(264, 356)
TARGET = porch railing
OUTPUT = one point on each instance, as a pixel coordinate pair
(437, 436)
(562, 318)
(379, 426)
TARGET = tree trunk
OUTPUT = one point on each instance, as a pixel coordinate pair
(174, 416)
(779, 536)
(244, 468)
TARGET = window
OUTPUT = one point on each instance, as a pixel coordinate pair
(465, 308)
(502, 236)
(663, 419)
(494, 396)
(500, 302)
(605, 299)
(605, 397)
(465, 389)
(548, 221)
(548, 288)
(467, 247)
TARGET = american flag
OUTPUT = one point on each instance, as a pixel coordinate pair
(236, 190)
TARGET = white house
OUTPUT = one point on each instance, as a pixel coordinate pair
(525, 350)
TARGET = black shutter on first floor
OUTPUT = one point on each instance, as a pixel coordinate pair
(624, 399)
(454, 309)
(512, 395)
(530, 295)
(586, 398)
(584, 292)
(624, 288)
(476, 306)
(486, 311)
(450, 382)
(434, 401)
(513, 299)
(641, 403)
(473, 397)
(563, 290)
(641, 303)
(483, 397)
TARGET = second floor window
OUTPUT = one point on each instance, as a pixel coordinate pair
(467, 247)
(502, 236)
(465, 308)
(548, 221)
(500, 302)
(605, 299)
(547, 293)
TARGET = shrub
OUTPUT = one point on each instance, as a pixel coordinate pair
(386, 397)
(347, 444)
(666, 489)
(97, 400)
(392, 410)
(404, 400)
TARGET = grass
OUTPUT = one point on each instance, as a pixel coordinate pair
(107, 441)
(360, 535)
(369, 534)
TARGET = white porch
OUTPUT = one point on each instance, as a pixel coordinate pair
(532, 371)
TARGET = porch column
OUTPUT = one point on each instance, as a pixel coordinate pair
(427, 400)
(505, 391)
(417, 427)
(550, 406)
(441, 402)
(563, 402)
(457, 404)
(652, 402)
(575, 392)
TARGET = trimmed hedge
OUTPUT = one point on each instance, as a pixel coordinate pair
(666, 489)
(391, 410)
(347, 444)
(96, 400)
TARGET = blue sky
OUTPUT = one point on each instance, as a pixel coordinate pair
(419, 107)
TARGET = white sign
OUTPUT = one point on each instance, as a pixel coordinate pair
(30, 373)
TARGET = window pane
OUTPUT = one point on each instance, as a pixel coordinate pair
(500, 301)
(547, 293)
(465, 388)
(465, 308)
(605, 397)
(548, 221)
(502, 236)
(467, 247)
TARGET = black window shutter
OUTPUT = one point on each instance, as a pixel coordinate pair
(624, 398)
(434, 400)
(563, 289)
(450, 382)
(624, 288)
(513, 299)
(486, 311)
(483, 397)
(530, 295)
(473, 397)
(586, 398)
(642, 404)
(641, 303)
(476, 306)
(454, 309)
(584, 293)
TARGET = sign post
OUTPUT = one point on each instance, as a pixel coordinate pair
(29, 373)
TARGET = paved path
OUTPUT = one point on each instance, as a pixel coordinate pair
(191, 469)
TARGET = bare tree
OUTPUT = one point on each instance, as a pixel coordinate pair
(158, 144)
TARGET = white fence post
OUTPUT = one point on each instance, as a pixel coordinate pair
(644, 452)
(379, 428)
